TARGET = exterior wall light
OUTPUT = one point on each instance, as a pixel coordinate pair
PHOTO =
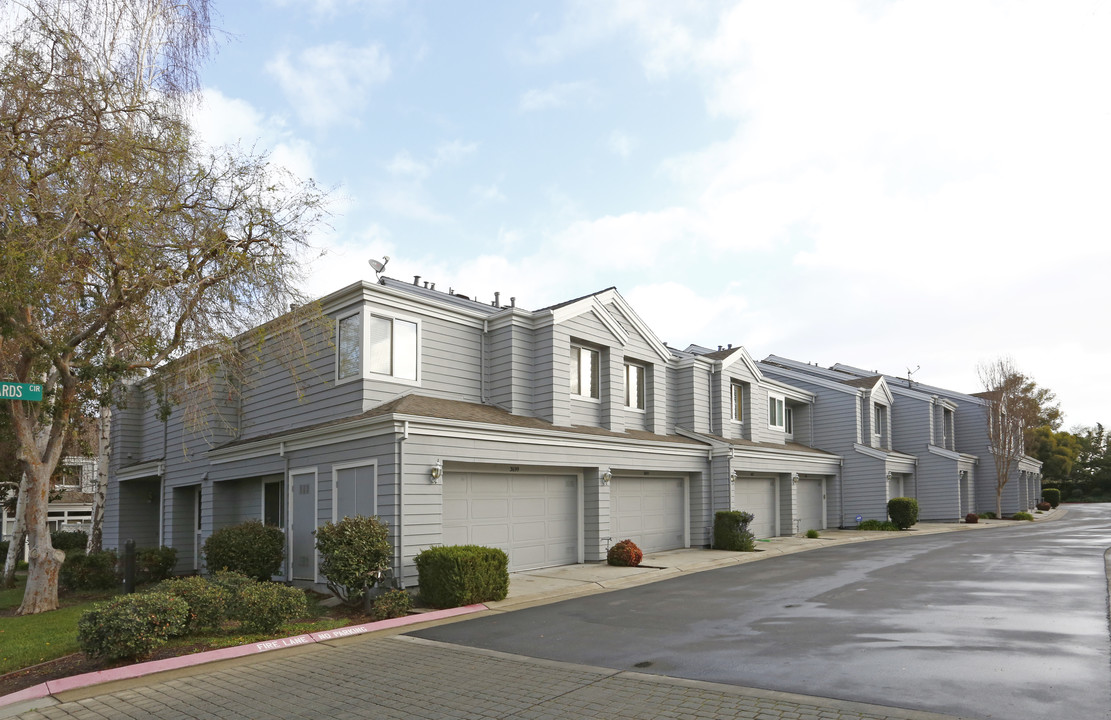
(607, 475)
(794, 477)
(437, 471)
(733, 476)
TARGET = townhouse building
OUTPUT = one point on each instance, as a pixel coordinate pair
(550, 433)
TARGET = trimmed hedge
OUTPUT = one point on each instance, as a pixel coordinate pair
(208, 601)
(263, 607)
(131, 626)
(731, 531)
(877, 525)
(903, 511)
(989, 515)
(154, 564)
(458, 575)
(624, 554)
(1022, 516)
(89, 572)
(1043, 506)
(392, 604)
(69, 540)
(251, 548)
(1051, 496)
(354, 554)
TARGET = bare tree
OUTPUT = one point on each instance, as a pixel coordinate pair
(123, 244)
(1006, 392)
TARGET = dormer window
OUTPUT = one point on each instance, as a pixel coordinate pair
(634, 386)
(879, 427)
(789, 421)
(776, 414)
(349, 346)
(393, 347)
(584, 372)
(737, 402)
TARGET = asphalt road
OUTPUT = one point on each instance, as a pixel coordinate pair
(1000, 623)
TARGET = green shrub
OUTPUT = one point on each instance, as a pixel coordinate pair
(154, 564)
(1022, 516)
(458, 575)
(208, 601)
(989, 515)
(263, 607)
(812, 534)
(96, 571)
(354, 554)
(624, 554)
(1051, 496)
(731, 531)
(131, 626)
(392, 604)
(69, 540)
(903, 511)
(877, 525)
(254, 549)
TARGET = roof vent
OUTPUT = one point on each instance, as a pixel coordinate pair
(497, 298)
(512, 302)
(416, 279)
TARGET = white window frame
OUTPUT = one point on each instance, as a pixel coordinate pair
(362, 347)
(597, 385)
(737, 402)
(369, 317)
(348, 466)
(642, 386)
(776, 405)
(879, 421)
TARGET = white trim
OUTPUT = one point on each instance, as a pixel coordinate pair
(368, 462)
(154, 468)
(293, 472)
(372, 312)
(782, 412)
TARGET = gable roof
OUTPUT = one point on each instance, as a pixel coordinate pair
(596, 303)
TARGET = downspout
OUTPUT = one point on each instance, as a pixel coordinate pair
(400, 505)
(710, 458)
(841, 490)
(285, 501)
(482, 361)
(162, 482)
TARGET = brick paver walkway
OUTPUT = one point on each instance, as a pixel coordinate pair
(401, 677)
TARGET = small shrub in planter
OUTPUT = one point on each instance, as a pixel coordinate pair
(96, 571)
(972, 518)
(263, 607)
(457, 575)
(131, 626)
(812, 534)
(154, 564)
(251, 548)
(393, 604)
(903, 511)
(208, 601)
(354, 554)
(1022, 516)
(989, 515)
(731, 531)
(1043, 506)
(878, 525)
(624, 554)
(69, 540)
(1052, 496)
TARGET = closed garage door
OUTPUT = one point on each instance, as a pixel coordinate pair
(649, 511)
(757, 496)
(534, 518)
(811, 504)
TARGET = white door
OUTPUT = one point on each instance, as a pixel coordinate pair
(895, 486)
(758, 496)
(533, 518)
(811, 497)
(650, 511)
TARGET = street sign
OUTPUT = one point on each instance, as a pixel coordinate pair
(20, 391)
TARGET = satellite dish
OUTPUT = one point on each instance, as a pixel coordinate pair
(379, 266)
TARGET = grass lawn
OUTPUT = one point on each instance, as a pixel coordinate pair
(27, 640)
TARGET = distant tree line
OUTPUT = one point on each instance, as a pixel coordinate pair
(1077, 461)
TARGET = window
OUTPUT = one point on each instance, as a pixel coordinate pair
(584, 371)
(634, 387)
(789, 421)
(880, 420)
(272, 503)
(737, 402)
(349, 345)
(775, 412)
(393, 347)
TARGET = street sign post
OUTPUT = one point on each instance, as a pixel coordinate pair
(20, 391)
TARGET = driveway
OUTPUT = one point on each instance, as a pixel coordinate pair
(1010, 622)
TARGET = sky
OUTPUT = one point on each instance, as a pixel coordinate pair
(904, 185)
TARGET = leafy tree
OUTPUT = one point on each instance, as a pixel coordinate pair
(1058, 452)
(1013, 405)
(124, 244)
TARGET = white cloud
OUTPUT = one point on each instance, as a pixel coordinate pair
(488, 193)
(330, 84)
(621, 143)
(403, 164)
(556, 96)
(454, 151)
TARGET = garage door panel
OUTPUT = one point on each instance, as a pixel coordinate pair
(810, 502)
(649, 511)
(487, 485)
(757, 496)
(530, 507)
(487, 509)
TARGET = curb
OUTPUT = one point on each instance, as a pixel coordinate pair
(28, 696)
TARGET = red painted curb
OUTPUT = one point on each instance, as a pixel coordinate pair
(128, 672)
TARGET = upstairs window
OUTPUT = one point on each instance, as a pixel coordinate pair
(737, 402)
(789, 421)
(880, 422)
(634, 387)
(349, 346)
(775, 412)
(393, 347)
(584, 372)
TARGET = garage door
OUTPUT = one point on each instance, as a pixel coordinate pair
(757, 496)
(649, 511)
(810, 495)
(534, 518)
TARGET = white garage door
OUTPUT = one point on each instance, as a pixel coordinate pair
(811, 505)
(757, 496)
(534, 518)
(649, 511)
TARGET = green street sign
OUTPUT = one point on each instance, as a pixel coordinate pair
(20, 391)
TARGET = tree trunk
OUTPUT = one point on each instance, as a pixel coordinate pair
(41, 594)
(104, 452)
(19, 535)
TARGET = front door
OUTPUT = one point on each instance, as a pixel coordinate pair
(302, 490)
